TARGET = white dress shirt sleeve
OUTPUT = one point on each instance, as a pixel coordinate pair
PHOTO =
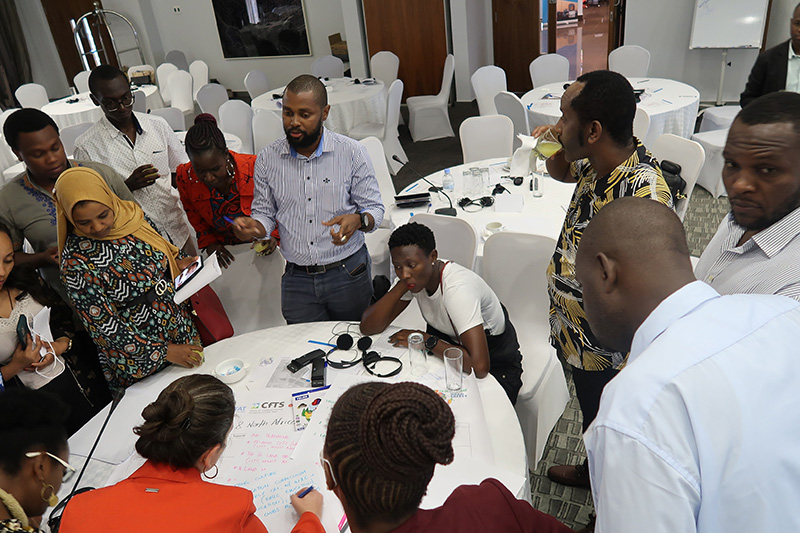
(263, 208)
(365, 192)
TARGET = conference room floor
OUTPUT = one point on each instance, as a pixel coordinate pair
(565, 446)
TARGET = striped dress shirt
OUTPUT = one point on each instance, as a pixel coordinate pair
(299, 193)
(765, 264)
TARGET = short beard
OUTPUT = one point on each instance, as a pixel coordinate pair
(763, 223)
(306, 140)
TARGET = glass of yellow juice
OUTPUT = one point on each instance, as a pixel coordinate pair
(547, 145)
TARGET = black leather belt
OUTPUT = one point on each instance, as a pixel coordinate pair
(313, 270)
(150, 296)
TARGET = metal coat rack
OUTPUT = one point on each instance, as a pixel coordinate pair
(90, 43)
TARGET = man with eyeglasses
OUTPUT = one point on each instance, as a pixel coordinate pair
(140, 146)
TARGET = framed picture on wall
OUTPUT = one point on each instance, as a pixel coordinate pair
(262, 28)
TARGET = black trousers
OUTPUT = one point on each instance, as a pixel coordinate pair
(588, 388)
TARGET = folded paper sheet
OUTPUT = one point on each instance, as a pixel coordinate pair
(521, 160)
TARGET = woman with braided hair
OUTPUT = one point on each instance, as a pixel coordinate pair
(216, 184)
(382, 444)
(182, 438)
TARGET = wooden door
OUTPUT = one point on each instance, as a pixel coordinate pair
(516, 39)
(414, 30)
(59, 14)
(616, 23)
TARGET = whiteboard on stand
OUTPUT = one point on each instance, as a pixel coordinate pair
(728, 23)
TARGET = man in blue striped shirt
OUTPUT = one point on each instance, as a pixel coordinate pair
(320, 189)
(756, 249)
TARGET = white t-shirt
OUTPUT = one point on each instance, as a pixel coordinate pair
(466, 298)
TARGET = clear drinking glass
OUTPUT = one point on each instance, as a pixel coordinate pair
(453, 368)
(547, 145)
(417, 355)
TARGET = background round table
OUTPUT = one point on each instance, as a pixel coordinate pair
(233, 142)
(351, 103)
(672, 105)
(68, 114)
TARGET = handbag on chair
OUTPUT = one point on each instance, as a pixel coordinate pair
(209, 316)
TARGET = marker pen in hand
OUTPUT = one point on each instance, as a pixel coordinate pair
(229, 220)
(305, 492)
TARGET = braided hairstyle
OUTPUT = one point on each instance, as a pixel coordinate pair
(205, 136)
(383, 442)
(190, 416)
(413, 234)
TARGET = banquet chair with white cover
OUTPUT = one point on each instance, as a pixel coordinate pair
(180, 91)
(487, 82)
(510, 105)
(549, 68)
(163, 73)
(70, 134)
(428, 117)
(689, 155)
(378, 241)
(386, 132)
(719, 117)
(256, 83)
(713, 143)
(177, 58)
(267, 128)
(455, 237)
(630, 60)
(641, 125)
(32, 95)
(210, 97)
(514, 266)
(236, 117)
(328, 67)
(383, 66)
(199, 71)
(81, 81)
(139, 101)
(486, 137)
(173, 116)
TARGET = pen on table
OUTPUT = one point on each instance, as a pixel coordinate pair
(303, 494)
(644, 81)
(322, 343)
(667, 101)
(411, 187)
(660, 88)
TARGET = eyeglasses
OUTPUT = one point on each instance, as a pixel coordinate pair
(69, 470)
(112, 104)
(324, 462)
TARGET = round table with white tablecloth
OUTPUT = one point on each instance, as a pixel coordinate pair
(67, 112)
(672, 105)
(351, 103)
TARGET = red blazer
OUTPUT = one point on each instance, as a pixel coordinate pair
(158, 498)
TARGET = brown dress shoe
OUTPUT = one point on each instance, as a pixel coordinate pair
(570, 475)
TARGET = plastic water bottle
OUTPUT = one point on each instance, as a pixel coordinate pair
(448, 184)
(536, 184)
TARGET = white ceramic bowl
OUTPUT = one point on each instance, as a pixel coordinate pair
(231, 370)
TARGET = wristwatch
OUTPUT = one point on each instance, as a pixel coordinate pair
(431, 342)
(364, 221)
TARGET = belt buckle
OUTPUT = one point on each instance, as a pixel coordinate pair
(161, 287)
(313, 270)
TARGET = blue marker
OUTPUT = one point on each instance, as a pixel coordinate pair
(411, 187)
(657, 90)
(322, 343)
(667, 101)
(229, 220)
(303, 494)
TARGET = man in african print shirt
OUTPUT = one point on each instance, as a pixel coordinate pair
(607, 162)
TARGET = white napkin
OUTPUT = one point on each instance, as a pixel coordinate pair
(521, 160)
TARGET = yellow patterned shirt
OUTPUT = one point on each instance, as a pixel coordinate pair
(638, 176)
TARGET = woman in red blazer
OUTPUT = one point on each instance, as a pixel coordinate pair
(216, 184)
(182, 438)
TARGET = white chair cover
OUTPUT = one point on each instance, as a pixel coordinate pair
(632, 61)
(486, 83)
(387, 132)
(641, 125)
(719, 118)
(180, 91)
(163, 73)
(378, 241)
(486, 137)
(256, 83)
(236, 117)
(199, 71)
(549, 68)
(139, 101)
(514, 266)
(384, 66)
(455, 237)
(510, 105)
(31, 95)
(689, 155)
(267, 128)
(173, 116)
(328, 67)
(713, 142)
(70, 134)
(81, 81)
(428, 117)
(210, 97)
(177, 58)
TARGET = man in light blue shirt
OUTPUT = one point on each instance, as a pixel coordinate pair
(700, 431)
(319, 189)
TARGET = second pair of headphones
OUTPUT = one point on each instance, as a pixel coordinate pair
(369, 359)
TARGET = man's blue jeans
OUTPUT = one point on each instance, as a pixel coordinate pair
(337, 294)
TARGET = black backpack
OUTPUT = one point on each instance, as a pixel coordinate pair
(672, 175)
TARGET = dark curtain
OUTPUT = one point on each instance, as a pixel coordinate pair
(15, 64)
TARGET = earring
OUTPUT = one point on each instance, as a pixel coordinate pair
(216, 471)
(231, 169)
(51, 500)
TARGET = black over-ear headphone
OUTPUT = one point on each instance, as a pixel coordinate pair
(345, 342)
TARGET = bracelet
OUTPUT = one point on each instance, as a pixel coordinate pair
(69, 344)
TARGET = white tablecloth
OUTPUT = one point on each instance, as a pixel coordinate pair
(351, 104)
(84, 110)
(504, 432)
(672, 106)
